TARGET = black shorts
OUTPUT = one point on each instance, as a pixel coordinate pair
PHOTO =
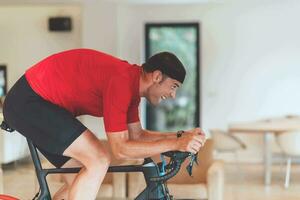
(51, 128)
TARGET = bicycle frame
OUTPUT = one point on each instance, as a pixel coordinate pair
(154, 190)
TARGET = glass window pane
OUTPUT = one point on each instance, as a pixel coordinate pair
(183, 112)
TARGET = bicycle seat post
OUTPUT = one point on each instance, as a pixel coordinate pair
(40, 172)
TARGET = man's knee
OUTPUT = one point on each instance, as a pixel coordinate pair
(98, 158)
(99, 162)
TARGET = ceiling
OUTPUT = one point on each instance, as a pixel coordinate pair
(164, 1)
(115, 1)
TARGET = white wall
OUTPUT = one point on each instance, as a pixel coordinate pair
(100, 26)
(25, 39)
(250, 57)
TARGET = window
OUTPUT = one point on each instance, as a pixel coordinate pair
(182, 40)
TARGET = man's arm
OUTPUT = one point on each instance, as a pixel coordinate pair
(136, 132)
(125, 148)
(139, 144)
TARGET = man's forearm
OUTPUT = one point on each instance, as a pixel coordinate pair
(143, 149)
(147, 135)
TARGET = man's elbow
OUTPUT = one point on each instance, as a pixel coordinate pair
(120, 154)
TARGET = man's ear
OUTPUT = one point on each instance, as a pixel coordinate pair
(156, 76)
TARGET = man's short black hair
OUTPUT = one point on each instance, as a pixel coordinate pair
(168, 64)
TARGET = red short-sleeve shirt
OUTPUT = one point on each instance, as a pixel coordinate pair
(85, 81)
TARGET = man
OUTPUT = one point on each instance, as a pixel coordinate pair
(43, 104)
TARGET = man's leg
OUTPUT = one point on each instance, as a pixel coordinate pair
(68, 179)
(87, 149)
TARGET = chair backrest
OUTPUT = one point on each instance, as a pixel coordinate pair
(289, 142)
(223, 141)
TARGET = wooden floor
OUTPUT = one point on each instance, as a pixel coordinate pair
(244, 182)
(247, 183)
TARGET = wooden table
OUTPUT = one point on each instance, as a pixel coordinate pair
(267, 127)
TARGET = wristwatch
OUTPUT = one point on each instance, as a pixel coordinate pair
(179, 133)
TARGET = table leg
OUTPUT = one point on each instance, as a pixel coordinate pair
(268, 157)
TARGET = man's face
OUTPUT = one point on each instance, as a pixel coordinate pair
(162, 88)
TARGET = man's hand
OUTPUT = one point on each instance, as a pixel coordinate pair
(196, 131)
(191, 140)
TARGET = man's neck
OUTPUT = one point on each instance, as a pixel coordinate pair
(145, 82)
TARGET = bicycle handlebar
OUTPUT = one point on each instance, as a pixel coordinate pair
(169, 175)
(177, 158)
